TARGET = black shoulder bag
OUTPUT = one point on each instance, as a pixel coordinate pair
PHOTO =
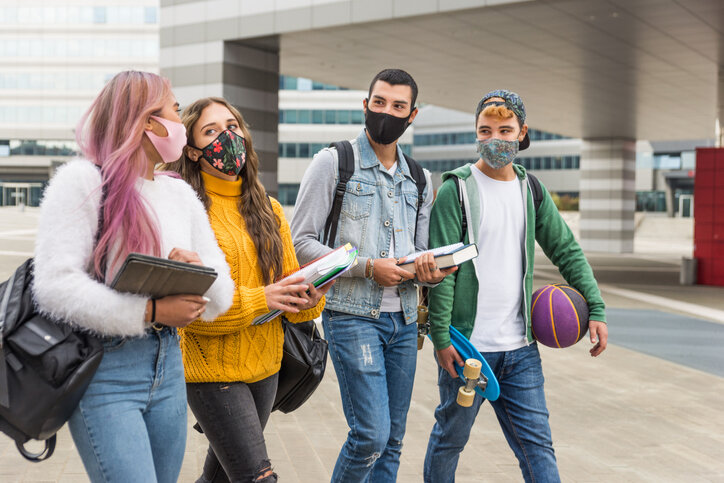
(303, 364)
(45, 366)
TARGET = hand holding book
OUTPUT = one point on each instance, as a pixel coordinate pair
(387, 274)
(442, 259)
(174, 285)
(285, 295)
(428, 271)
(294, 291)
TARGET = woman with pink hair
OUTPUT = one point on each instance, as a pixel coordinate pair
(131, 423)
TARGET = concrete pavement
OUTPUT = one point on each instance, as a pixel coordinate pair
(637, 413)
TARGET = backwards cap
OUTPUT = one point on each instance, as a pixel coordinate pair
(512, 101)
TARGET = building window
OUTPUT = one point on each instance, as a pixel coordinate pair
(308, 150)
(99, 14)
(150, 15)
(316, 116)
(288, 194)
(301, 84)
(653, 201)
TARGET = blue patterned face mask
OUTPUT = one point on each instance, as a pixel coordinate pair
(497, 153)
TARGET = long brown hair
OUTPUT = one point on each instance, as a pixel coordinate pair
(254, 206)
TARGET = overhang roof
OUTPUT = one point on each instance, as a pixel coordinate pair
(644, 69)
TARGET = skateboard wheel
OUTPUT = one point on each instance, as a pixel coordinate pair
(472, 369)
(465, 397)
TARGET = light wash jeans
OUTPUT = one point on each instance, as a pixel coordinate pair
(375, 363)
(131, 423)
(521, 412)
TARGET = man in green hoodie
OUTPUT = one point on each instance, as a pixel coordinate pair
(489, 298)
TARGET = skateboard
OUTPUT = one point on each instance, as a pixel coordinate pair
(476, 373)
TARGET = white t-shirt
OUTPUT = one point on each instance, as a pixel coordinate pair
(499, 323)
(391, 296)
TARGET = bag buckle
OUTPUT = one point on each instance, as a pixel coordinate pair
(423, 326)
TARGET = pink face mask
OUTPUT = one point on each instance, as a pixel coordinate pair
(171, 146)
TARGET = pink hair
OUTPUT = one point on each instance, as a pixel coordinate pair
(109, 134)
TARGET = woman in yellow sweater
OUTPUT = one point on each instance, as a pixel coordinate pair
(232, 366)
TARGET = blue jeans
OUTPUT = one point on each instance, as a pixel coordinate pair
(375, 362)
(131, 423)
(520, 409)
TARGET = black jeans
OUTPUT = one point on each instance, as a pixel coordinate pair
(232, 416)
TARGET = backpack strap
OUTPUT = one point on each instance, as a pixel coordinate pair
(345, 161)
(464, 209)
(536, 190)
(533, 183)
(4, 396)
(46, 453)
(418, 174)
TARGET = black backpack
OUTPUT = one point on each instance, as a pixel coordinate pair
(533, 183)
(45, 366)
(345, 156)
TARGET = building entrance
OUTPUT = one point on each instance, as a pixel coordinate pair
(17, 194)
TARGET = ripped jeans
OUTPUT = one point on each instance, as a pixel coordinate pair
(233, 416)
(375, 362)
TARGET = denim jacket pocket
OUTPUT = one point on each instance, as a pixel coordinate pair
(358, 200)
(355, 214)
(411, 213)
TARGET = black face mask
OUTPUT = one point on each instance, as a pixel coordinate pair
(385, 128)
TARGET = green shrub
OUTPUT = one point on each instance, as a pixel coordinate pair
(565, 202)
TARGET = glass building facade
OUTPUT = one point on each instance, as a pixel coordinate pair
(54, 59)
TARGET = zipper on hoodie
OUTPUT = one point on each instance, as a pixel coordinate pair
(526, 315)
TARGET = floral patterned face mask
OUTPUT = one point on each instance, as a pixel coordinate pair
(226, 153)
(497, 153)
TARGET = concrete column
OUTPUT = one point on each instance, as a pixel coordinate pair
(246, 73)
(608, 194)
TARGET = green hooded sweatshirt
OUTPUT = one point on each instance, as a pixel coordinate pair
(454, 300)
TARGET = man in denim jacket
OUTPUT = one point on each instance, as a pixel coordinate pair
(370, 314)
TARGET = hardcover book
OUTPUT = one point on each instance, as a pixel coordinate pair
(445, 257)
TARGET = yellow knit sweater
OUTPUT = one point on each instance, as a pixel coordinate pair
(230, 348)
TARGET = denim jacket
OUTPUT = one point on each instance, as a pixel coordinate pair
(374, 205)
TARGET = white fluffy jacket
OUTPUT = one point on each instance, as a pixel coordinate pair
(64, 288)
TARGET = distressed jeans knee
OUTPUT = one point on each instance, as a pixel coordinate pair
(264, 473)
(375, 362)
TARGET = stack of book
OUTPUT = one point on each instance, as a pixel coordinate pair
(319, 272)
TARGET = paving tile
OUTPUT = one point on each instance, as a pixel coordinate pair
(625, 416)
